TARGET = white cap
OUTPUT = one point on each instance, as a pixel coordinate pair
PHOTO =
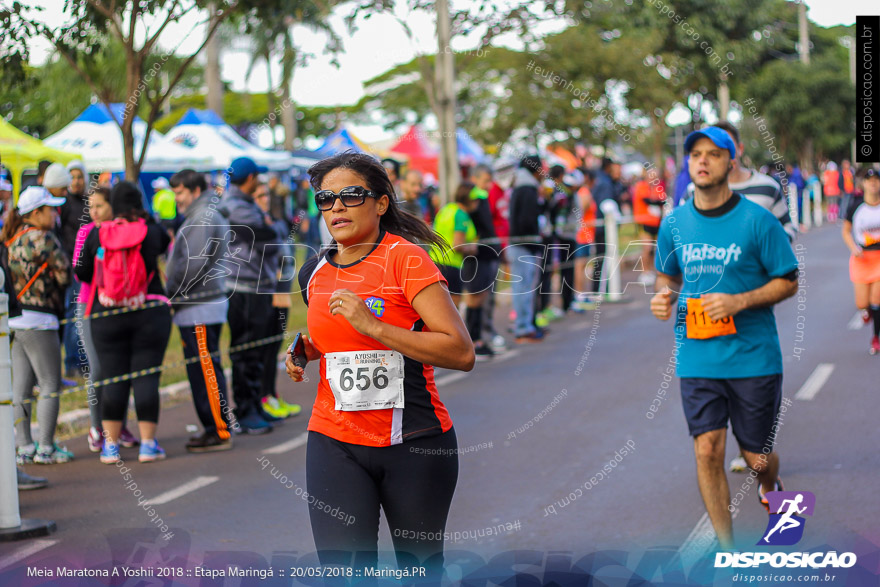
(77, 164)
(36, 196)
(161, 183)
(56, 176)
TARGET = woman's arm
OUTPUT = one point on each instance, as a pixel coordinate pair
(85, 266)
(849, 240)
(447, 345)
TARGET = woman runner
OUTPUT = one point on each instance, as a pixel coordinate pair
(861, 233)
(380, 318)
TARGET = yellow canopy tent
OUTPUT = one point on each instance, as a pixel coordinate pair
(20, 152)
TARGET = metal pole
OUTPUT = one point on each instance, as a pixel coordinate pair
(792, 205)
(818, 218)
(12, 527)
(450, 176)
(611, 266)
(9, 516)
(808, 209)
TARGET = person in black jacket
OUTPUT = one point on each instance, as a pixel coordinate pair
(196, 285)
(482, 268)
(133, 340)
(525, 251)
(256, 246)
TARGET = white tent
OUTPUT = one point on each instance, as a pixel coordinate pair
(96, 136)
(204, 132)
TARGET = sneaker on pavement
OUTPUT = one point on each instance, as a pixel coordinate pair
(208, 442)
(541, 320)
(498, 343)
(150, 451)
(24, 455)
(555, 313)
(127, 439)
(254, 424)
(764, 501)
(27, 482)
(875, 346)
(738, 465)
(483, 353)
(273, 407)
(531, 337)
(53, 455)
(292, 409)
(866, 316)
(583, 306)
(96, 439)
(109, 453)
(269, 417)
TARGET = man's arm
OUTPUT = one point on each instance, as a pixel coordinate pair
(719, 305)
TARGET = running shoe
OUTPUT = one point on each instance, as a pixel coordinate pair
(208, 442)
(764, 501)
(738, 465)
(151, 451)
(531, 337)
(866, 316)
(582, 306)
(109, 453)
(875, 346)
(542, 320)
(254, 424)
(96, 439)
(498, 343)
(273, 407)
(27, 482)
(127, 439)
(483, 353)
(555, 313)
(65, 382)
(24, 455)
(53, 455)
(292, 409)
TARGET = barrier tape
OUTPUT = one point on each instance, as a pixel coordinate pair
(149, 371)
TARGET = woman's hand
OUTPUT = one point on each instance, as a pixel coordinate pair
(350, 306)
(312, 354)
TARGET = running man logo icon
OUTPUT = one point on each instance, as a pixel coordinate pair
(786, 526)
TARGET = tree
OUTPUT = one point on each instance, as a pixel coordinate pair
(92, 30)
(798, 103)
(270, 29)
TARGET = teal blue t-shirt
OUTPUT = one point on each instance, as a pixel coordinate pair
(735, 252)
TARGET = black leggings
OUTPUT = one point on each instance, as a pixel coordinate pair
(413, 482)
(127, 343)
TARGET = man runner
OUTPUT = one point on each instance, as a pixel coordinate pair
(730, 261)
(763, 190)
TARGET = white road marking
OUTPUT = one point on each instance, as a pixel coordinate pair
(188, 487)
(451, 378)
(856, 323)
(26, 551)
(698, 542)
(290, 445)
(815, 381)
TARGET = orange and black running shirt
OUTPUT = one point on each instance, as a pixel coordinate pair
(388, 278)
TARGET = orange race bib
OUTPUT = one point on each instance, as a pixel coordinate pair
(700, 326)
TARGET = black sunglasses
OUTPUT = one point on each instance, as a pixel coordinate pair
(351, 196)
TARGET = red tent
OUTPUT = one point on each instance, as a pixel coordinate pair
(422, 155)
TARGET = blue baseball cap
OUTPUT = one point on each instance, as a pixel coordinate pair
(717, 135)
(242, 167)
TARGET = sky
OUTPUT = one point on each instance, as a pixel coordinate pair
(377, 45)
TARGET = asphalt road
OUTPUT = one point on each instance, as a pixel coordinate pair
(536, 427)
